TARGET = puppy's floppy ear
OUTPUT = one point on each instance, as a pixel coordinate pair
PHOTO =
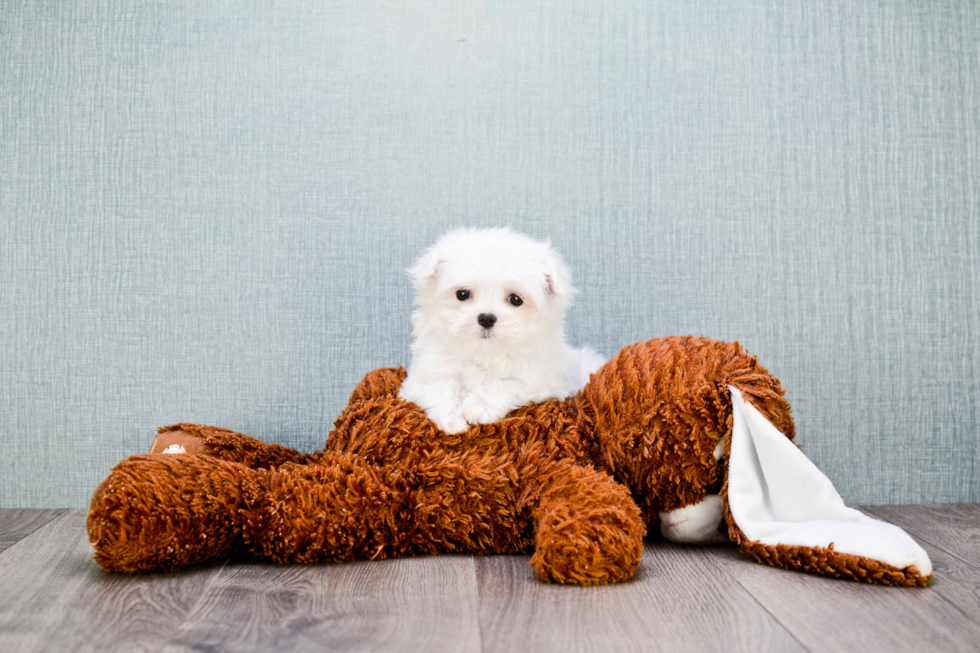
(426, 270)
(558, 278)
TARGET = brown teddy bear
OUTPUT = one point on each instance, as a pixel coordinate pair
(653, 437)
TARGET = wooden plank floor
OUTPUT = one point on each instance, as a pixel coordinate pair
(54, 598)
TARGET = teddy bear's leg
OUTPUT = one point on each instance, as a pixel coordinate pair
(347, 507)
(588, 530)
(226, 445)
(162, 512)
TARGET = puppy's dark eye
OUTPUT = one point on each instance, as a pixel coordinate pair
(515, 300)
(463, 295)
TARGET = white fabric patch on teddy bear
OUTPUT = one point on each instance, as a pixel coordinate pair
(695, 524)
(778, 496)
(175, 448)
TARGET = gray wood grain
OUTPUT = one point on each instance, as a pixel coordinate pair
(674, 603)
(950, 534)
(16, 524)
(54, 598)
(413, 604)
(827, 614)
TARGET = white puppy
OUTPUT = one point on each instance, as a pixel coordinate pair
(489, 328)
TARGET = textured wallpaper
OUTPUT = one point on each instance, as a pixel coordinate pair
(206, 209)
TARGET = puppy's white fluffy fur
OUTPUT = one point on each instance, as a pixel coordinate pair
(463, 372)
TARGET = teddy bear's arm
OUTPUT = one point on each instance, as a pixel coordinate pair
(197, 439)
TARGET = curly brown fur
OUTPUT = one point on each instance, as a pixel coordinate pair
(508, 469)
(349, 508)
(576, 481)
(382, 382)
(827, 562)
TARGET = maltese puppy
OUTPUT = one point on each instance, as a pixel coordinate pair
(489, 328)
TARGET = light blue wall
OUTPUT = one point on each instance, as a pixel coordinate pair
(206, 209)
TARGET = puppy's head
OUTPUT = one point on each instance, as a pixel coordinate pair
(487, 290)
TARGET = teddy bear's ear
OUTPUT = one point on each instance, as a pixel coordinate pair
(787, 512)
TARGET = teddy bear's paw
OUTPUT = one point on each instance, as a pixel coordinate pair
(584, 553)
(695, 524)
(588, 529)
(162, 512)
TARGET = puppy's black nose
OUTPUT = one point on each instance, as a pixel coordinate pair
(486, 320)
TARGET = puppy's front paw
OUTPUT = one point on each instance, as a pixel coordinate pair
(450, 422)
(477, 411)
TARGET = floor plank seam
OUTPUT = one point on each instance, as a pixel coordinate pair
(477, 593)
(5, 546)
(755, 598)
